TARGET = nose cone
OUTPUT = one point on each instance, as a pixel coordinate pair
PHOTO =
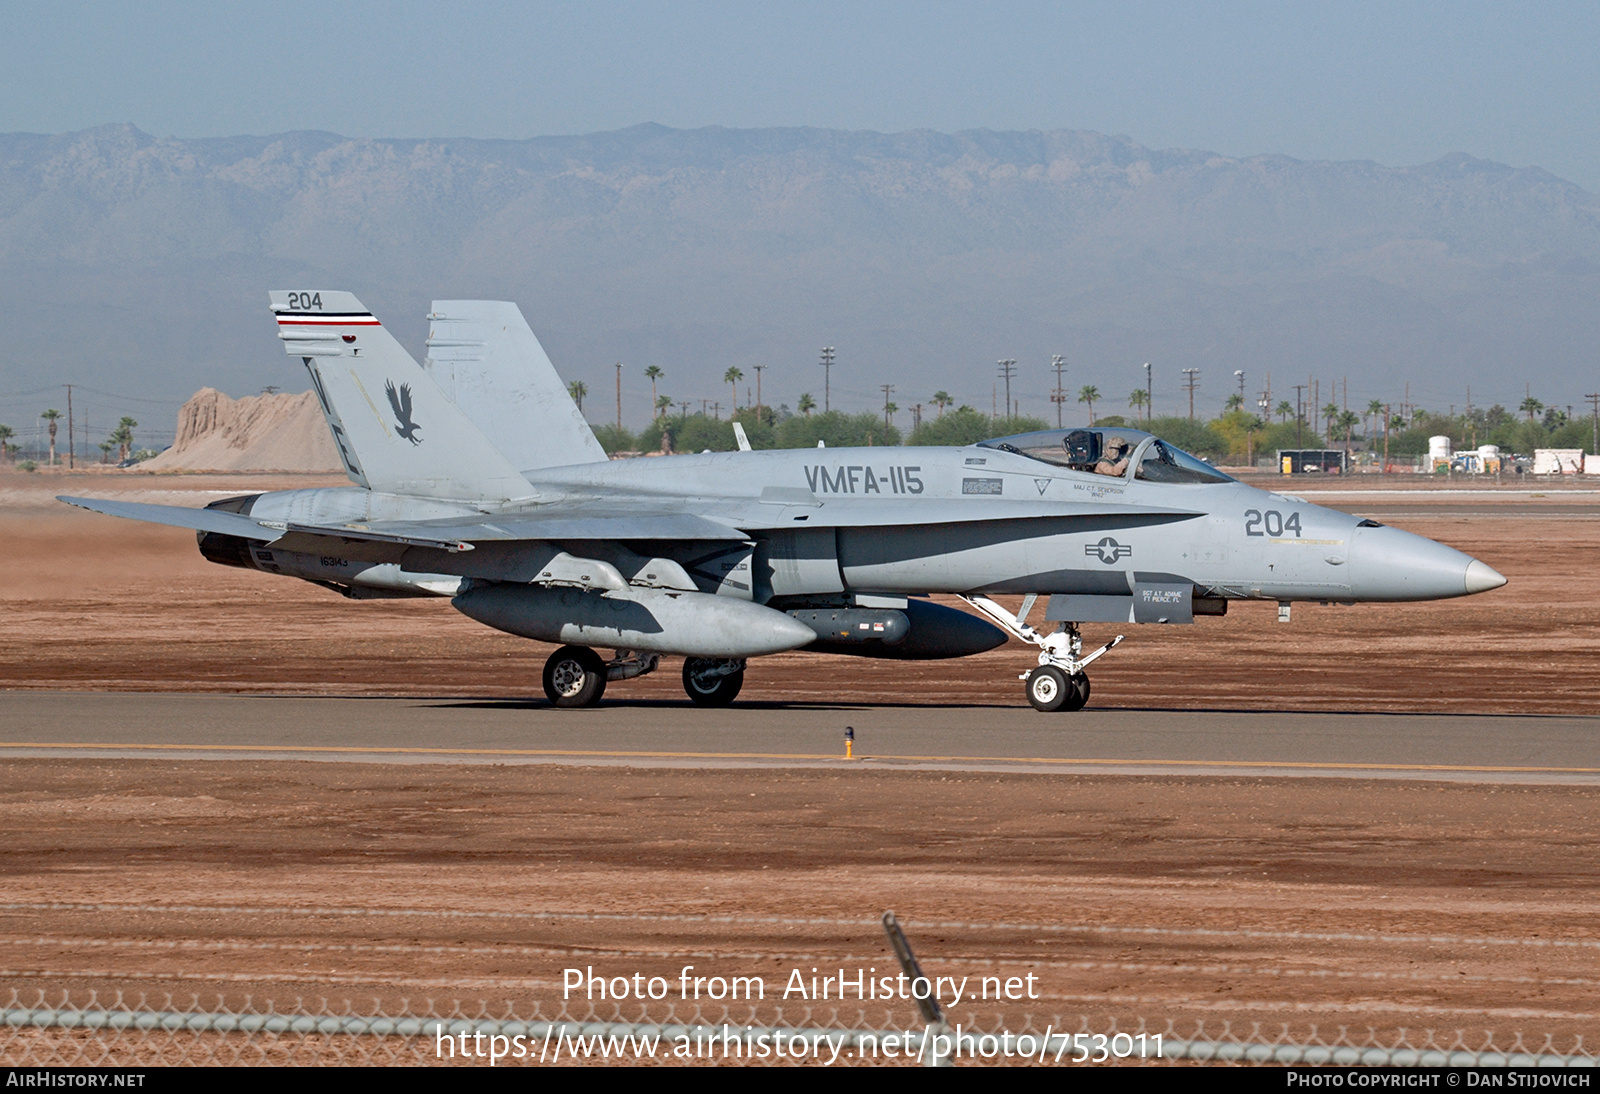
(1481, 577)
(1388, 564)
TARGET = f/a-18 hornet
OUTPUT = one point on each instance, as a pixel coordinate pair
(477, 478)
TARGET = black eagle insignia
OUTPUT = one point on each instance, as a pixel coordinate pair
(401, 402)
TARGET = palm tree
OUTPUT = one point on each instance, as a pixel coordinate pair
(1374, 408)
(654, 373)
(941, 399)
(732, 378)
(125, 428)
(1283, 410)
(807, 404)
(578, 389)
(105, 451)
(1235, 402)
(6, 433)
(1530, 406)
(1088, 394)
(1330, 416)
(889, 411)
(1348, 420)
(51, 416)
(1139, 399)
(663, 403)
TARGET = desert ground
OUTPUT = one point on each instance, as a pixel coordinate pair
(1383, 904)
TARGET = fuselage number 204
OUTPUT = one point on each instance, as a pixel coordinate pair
(1273, 521)
(305, 301)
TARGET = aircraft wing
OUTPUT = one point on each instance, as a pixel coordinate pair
(453, 534)
(637, 518)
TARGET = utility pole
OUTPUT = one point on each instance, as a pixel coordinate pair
(1385, 438)
(1594, 403)
(684, 411)
(1239, 374)
(1192, 377)
(916, 417)
(619, 396)
(1300, 417)
(70, 462)
(1059, 363)
(1149, 395)
(888, 389)
(1008, 368)
(758, 369)
(827, 376)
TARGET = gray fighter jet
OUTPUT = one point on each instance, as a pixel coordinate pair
(476, 478)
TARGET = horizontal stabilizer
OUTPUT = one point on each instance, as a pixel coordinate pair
(179, 516)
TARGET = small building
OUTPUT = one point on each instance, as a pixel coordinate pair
(1329, 461)
(1558, 461)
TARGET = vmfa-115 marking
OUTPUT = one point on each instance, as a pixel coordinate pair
(475, 477)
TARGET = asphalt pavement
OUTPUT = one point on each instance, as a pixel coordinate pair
(1471, 748)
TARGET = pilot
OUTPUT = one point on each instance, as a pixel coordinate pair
(1114, 459)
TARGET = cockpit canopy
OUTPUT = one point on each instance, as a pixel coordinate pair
(1108, 451)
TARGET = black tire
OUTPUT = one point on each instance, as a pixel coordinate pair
(1080, 693)
(710, 691)
(574, 677)
(1048, 689)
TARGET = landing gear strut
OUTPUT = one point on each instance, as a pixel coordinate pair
(1059, 683)
(712, 681)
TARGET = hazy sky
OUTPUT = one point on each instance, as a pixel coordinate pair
(1393, 82)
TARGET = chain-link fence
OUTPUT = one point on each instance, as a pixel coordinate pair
(68, 1031)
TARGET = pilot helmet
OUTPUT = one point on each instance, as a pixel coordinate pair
(1116, 447)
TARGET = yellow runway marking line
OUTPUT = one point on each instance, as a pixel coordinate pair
(364, 750)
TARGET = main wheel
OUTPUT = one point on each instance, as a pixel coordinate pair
(1048, 689)
(1080, 693)
(574, 677)
(706, 686)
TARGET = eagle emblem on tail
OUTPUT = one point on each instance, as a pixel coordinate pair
(400, 401)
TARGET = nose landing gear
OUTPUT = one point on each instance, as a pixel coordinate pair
(1059, 683)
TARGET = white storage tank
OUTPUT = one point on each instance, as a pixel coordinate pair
(1439, 448)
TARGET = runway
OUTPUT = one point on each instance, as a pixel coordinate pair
(1458, 748)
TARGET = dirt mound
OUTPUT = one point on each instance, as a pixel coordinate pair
(256, 433)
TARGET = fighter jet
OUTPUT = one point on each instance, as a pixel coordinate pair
(477, 478)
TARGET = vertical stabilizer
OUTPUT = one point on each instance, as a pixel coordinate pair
(484, 356)
(395, 430)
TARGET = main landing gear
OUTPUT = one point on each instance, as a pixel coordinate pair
(712, 681)
(1059, 683)
(574, 676)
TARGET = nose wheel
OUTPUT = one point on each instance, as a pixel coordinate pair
(1049, 689)
(1059, 683)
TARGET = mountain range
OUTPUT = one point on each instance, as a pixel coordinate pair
(141, 264)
